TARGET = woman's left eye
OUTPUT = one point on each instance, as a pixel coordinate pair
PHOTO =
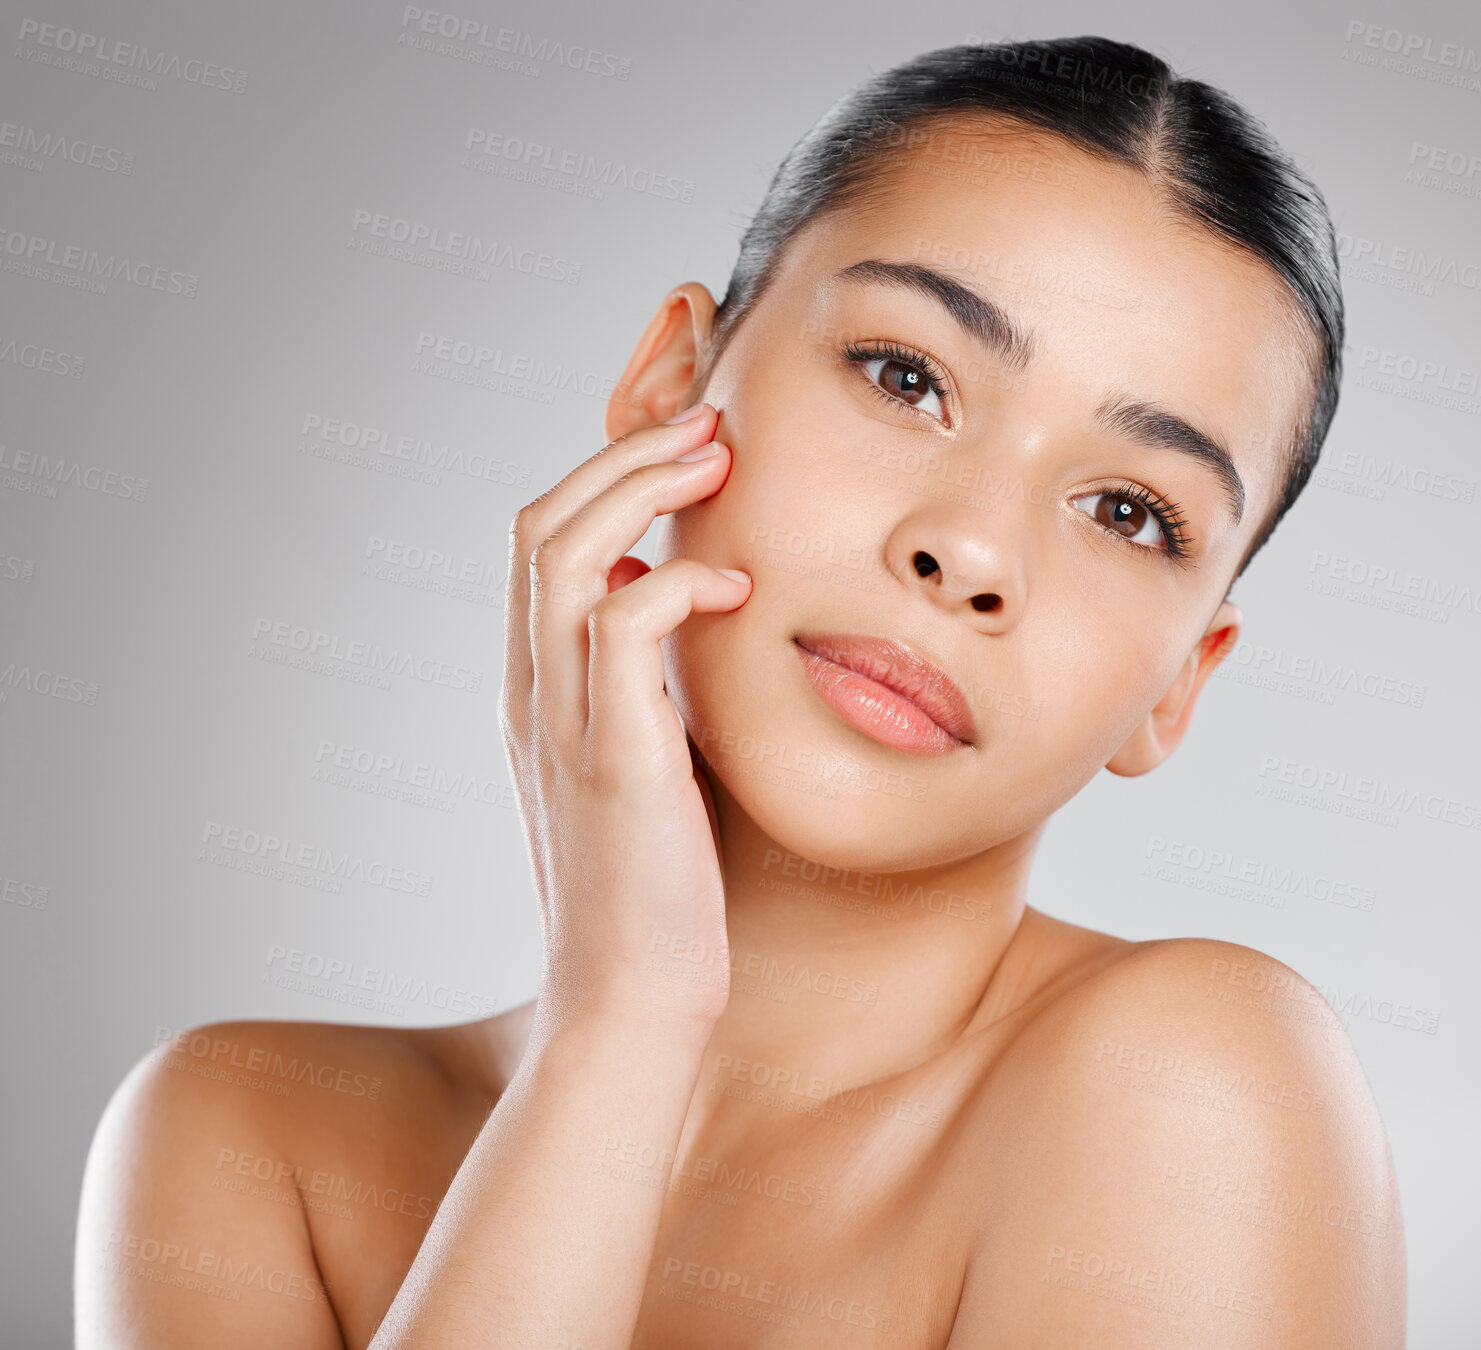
(1125, 514)
(904, 381)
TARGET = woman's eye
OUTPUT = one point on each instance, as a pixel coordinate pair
(910, 384)
(1131, 519)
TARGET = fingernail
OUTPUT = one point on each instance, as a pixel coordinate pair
(733, 573)
(684, 416)
(704, 452)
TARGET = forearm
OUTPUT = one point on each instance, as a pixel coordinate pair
(537, 1244)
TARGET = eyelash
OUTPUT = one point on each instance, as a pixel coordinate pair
(858, 354)
(1168, 514)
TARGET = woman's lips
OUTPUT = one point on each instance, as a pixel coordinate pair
(887, 691)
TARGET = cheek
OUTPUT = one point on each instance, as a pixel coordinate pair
(770, 507)
(1097, 673)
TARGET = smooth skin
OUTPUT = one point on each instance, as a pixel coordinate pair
(758, 1103)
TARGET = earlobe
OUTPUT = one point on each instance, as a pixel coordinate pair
(660, 373)
(1165, 726)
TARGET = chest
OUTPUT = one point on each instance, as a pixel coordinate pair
(843, 1233)
(820, 1229)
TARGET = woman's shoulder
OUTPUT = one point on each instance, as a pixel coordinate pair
(1192, 1133)
(1177, 1024)
(312, 1154)
(279, 1076)
(323, 1064)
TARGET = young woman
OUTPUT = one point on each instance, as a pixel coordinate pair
(1026, 353)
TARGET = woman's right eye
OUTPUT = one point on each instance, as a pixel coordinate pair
(901, 376)
(908, 383)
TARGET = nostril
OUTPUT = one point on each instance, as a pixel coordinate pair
(987, 602)
(924, 564)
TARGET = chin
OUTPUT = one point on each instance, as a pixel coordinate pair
(812, 784)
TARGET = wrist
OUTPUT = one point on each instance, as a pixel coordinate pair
(603, 1026)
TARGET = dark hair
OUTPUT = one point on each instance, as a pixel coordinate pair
(1217, 164)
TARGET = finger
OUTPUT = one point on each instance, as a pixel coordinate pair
(629, 708)
(701, 778)
(541, 518)
(568, 572)
(626, 570)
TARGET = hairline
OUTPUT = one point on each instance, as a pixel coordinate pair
(865, 177)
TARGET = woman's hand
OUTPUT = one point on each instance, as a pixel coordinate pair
(618, 821)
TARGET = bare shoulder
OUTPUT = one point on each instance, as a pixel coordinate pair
(1197, 1158)
(258, 1163)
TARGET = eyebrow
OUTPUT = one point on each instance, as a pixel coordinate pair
(984, 321)
(989, 325)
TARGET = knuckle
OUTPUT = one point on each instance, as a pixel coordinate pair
(686, 570)
(614, 615)
(547, 555)
(523, 529)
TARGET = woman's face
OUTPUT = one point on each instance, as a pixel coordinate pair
(938, 442)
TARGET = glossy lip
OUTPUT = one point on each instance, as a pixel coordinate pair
(899, 669)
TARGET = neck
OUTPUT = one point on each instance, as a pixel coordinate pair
(855, 976)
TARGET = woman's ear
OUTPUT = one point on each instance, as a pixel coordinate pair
(1166, 725)
(660, 372)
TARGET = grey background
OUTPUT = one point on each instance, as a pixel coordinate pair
(150, 605)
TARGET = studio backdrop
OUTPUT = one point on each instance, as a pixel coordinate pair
(299, 304)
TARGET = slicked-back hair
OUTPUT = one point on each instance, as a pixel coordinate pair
(1212, 161)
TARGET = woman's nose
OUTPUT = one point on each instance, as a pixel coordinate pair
(969, 579)
(984, 602)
